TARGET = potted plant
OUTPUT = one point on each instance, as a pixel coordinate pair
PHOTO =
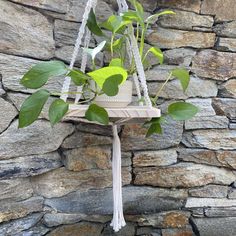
(108, 86)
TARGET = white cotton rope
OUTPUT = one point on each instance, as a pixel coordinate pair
(66, 84)
(118, 220)
(139, 66)
(83, 62)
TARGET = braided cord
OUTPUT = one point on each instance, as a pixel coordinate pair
(83, 62)
(66, 84)
(139, 66)
(123, 6)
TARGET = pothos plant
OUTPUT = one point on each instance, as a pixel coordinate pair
(114, 33)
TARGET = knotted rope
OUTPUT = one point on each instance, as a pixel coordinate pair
(132, 47)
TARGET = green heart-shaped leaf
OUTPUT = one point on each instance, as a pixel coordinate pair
(153, 18)
(57, 110)
(115, 24)
(98, 114)
(93, 25)
(116, 62)
(78, 77)
(155, 128)
(101, 75)
(182, 110)
(157, 53)
(39, 74)
(32, 107)
(183, 76)
(111, 85)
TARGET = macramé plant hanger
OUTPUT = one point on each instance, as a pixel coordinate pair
(38, 76)
(123, 114)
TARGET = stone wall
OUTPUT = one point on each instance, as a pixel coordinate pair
(57, 181)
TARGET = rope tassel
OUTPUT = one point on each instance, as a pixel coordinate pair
(118, 220)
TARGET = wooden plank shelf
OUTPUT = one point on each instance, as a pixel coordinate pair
(127, 112)
(134, 114)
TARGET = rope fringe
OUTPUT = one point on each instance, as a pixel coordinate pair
(118, 220)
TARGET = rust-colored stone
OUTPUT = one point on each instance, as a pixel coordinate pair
(215, 65)
(175, 220)
(189, 5)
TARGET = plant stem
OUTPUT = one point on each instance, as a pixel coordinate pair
(112, 41)
(94, 65)
(59, 94)
(137, 33)
(142, 43)
(161, 88)
(143, 59)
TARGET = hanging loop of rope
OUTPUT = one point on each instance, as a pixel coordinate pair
(66, 84)
(118, 220)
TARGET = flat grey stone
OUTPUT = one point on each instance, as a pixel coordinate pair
(216, 158)
(149, 200)
(13, 68)
(185, 20)
(215, 226)
(59, 6)
(149, 5)
(38, 230)
(226, 29)
(179, 56)
(204, 106)
(55, 219)
(25, 32)
(212, 139)
(29, 165)
(75, 11)
(226, 13)
(214, 64)
(210, 202)
(178, 231)
(103, 130)
(192, 5)
(83, 228)
(232, 193)
(82, 140)
(212, 191)
(66, 33)
(167, 219)
(225, 106)
(87, 158)
(15, 227)
(226, 44)
(207, 122)
(2, 91)
(172, 38)
(173, 90)
(39, 138)
(10, 210)
(128, 230)
(148, 231)
(160, 73)
(7, 114)
(220, 212)
(15, 189)
(64, 53)
(133, 137)
(62, 181)
(183, 175)
(228, 89)
(155, 158)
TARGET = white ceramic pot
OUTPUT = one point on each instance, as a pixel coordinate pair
(122, 99)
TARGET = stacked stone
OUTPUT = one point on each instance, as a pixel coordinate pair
(57, 181)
